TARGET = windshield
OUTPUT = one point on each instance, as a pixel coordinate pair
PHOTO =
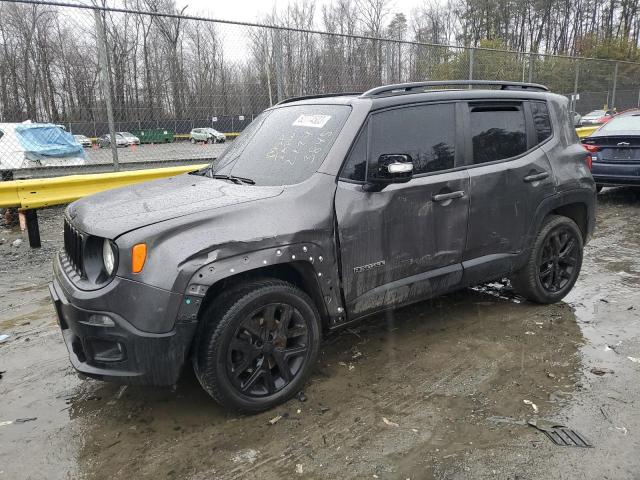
(283, 146)
(596, 113)
(628, 123)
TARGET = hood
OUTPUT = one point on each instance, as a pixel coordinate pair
(111, 213)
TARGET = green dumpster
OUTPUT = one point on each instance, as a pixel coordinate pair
(154, 135)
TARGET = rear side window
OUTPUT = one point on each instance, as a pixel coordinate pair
(426, 132)
(498, 131)
(541, 121)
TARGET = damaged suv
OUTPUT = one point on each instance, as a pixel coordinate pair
(325, 210)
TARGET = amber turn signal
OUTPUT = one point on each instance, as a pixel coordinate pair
(138, 256)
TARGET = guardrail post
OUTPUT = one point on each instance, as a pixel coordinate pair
(105, 77)
(531, 60)
(33, 230)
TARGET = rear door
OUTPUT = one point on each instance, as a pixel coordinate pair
(509, 176)
(405, 242)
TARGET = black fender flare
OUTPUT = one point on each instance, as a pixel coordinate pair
(306, 256)
(587, 197)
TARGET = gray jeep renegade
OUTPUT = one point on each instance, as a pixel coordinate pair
(325, 210)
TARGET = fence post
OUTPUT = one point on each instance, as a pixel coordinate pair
(615, 84)
(575, 87)
(471, 52)
(277, 53)
(531, 60)
(105, 77)
(267, 66)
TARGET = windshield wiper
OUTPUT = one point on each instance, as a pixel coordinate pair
(234, 179)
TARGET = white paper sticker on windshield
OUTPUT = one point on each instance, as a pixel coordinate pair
(314, 121)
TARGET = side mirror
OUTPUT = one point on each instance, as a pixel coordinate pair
(390, 168)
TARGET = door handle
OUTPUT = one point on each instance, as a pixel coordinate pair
(441, 197)
(535, 177)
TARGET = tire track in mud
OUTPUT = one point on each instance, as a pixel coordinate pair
(338, 435)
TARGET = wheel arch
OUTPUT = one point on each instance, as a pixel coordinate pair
(299, 273)
(578, 205)
(578, 212)
(305, 265)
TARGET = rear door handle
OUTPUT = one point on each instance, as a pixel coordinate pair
(535, 177)
(441, 197)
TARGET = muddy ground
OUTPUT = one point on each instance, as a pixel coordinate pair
(435, 390)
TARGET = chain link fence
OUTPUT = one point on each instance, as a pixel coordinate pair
(86, 89)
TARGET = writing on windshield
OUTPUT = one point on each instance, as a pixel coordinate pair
(284, 146)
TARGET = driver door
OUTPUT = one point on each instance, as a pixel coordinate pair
(405, 242)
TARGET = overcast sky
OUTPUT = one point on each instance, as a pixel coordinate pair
(252, 10)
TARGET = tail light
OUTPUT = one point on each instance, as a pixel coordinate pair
(591, 148)
(589, 160)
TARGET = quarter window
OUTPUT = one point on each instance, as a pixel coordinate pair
(356, 166)
(498, 131)
(426, 132)
(541, 121)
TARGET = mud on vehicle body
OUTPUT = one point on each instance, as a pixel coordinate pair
(325, 210)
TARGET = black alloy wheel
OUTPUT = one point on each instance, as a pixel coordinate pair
(553, 262)
(267, 350)
(558, 259)
(257, 344)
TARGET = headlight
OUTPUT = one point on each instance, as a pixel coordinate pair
(108, 257)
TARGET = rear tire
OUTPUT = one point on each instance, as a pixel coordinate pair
(554, 262)
(257, 345)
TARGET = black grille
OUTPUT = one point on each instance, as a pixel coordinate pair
(73, 247)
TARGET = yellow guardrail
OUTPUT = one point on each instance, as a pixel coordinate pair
(586, 131)
(44, 192)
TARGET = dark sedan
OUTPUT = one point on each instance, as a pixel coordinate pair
(615, 151)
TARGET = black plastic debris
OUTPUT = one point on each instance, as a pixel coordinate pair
(25, 420)
(561, 435)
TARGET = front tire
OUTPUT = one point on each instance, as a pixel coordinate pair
(554, 262)
(257, 345)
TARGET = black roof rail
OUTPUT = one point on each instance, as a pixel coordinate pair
(320, 95)
(409, 87)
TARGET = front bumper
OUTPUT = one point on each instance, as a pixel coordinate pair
(614, 174)
(120, 352)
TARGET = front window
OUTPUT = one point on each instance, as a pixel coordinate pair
(283, 146)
